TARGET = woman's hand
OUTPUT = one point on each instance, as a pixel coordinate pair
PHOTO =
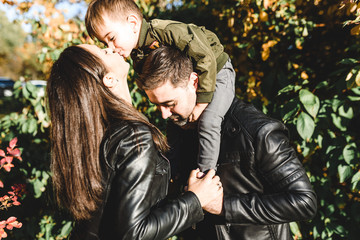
(208, 189)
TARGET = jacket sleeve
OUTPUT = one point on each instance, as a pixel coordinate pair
(133, 199)
(193, 41)
(288, 195)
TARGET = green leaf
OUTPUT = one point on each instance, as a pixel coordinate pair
(356, 177)
(349, 113)
(38, 188)
(322, 85)
(355, 180)
(348, 61)
(344, 172)
(295, 229)
(356, 90)
(310, 102)
(305, 126)
(349, 152)
(337, 122)
(32, 126)
(288, 88)
(26, 93)
(354, 98)
(251, 53)
(335, 103)
(289, 109)
(66, 229)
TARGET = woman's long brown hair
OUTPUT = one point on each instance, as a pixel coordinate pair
(80, 108)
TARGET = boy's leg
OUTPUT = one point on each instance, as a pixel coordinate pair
(210, 120)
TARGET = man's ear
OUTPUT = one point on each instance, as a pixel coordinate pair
(193, 80)
(109, 80)
(135, 22)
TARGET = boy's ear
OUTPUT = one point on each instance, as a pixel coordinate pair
(134, 21)
(109, 80)
(193, 80)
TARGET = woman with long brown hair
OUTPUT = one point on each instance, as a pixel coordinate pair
(107, 163)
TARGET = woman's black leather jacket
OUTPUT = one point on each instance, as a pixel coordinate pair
(136, 177)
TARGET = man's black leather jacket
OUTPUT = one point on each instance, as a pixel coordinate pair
(265, 184)
(136, 178)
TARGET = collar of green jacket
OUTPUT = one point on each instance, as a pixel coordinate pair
(143, 31)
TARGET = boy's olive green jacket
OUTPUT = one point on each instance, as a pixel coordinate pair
(201, 45)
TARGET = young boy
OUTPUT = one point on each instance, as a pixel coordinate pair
(120, 25)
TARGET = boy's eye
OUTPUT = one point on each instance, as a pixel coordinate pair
(112, 38)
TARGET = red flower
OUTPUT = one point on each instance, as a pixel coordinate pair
(3, 234)
(8, 166)
(13, 142)
(11, 223)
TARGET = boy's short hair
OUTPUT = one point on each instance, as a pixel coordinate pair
(165, 64)
(114, 9)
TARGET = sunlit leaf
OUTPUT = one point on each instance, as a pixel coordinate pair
(344, 172)
(66, 229)
(305, 126)
(356, 177)
(346, 113)
(337, 121)
(310, 102)
(349, 152)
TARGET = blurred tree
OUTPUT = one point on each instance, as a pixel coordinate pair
(12, 38)
(18, 55)
(297, 60)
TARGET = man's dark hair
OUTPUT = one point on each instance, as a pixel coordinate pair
(165, 64)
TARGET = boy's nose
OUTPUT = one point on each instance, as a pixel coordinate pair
(165, 112)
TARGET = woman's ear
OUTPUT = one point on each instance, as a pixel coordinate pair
(109, 80)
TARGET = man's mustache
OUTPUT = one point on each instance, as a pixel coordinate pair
(178, 120)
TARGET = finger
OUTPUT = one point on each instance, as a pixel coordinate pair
(216, 178)
(210, 174)
(200, 175)
(194, 173)
(191, 117)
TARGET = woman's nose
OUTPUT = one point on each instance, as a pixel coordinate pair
(109, 50)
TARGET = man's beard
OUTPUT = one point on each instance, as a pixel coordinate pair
(178, 120)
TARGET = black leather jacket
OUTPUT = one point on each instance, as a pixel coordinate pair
(136, 177)
(265, 185)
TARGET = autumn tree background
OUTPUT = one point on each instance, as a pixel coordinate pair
(296, 60)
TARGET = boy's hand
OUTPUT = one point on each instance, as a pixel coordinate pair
(198, 109)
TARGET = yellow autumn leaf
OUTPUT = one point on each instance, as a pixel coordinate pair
(357, 79)
(355, 30)
(266, 49)
(304, 75)
(263, 16)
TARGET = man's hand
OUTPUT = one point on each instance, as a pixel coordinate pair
(198, 109)
(216, 205)
(207, 189)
